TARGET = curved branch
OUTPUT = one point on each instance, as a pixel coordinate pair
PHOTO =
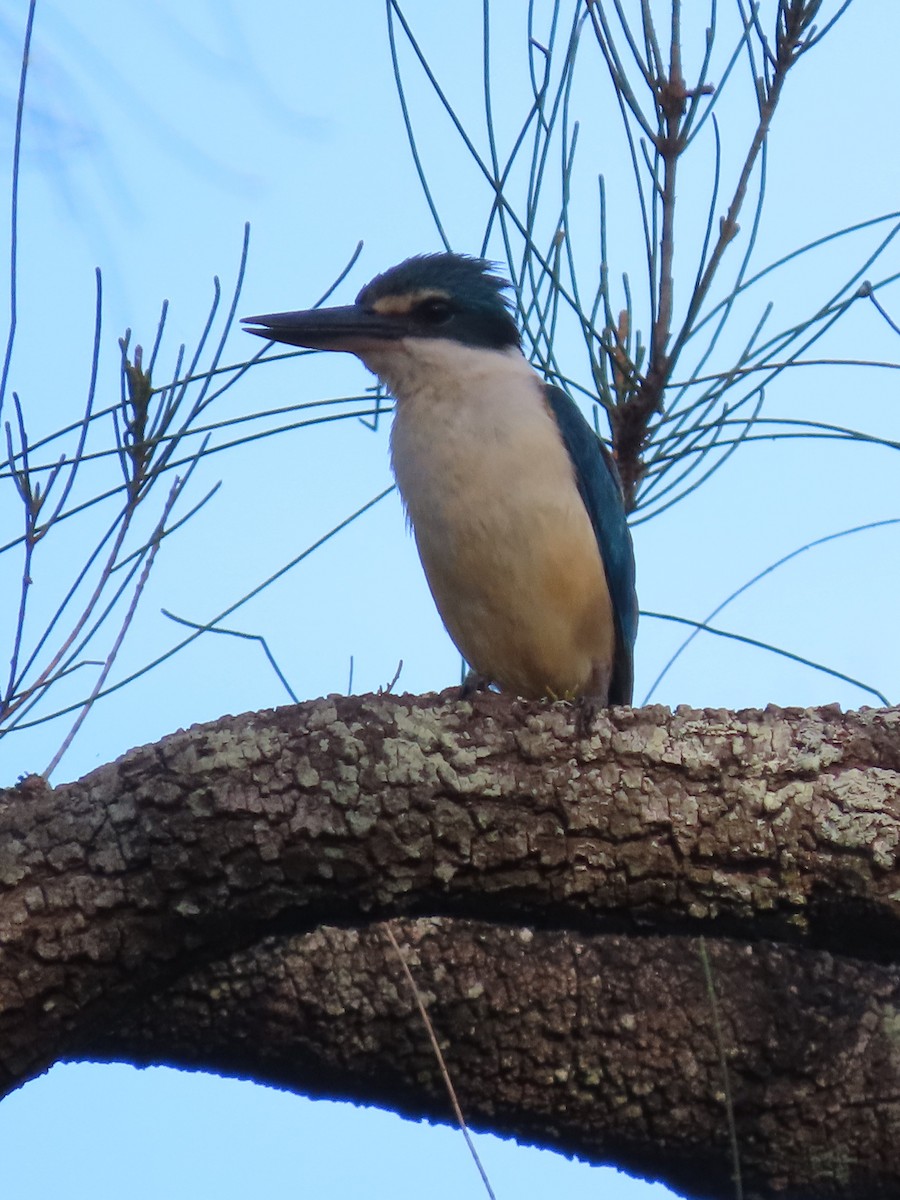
(119, 888)
(612, 1055)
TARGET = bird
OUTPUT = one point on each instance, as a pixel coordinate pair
(513, 499)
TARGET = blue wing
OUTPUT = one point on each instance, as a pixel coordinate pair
(599, 487)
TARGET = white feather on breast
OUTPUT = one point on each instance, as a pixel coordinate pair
(504, 537)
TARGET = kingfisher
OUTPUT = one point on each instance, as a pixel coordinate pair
(514, 501)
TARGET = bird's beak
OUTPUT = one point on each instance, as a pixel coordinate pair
(351, 328)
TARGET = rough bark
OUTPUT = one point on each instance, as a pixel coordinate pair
(152, 911)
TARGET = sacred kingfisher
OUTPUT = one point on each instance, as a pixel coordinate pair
(514, 501)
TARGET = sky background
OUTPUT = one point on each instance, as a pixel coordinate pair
(151, 134)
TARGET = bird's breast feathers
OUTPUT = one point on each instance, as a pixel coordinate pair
(505, 539)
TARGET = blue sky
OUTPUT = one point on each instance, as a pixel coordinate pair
(152, 133)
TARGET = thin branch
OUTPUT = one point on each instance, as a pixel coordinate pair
(445, 1074)
(723, 1067)
(117, 644)
(749, 641)
(772, 567)
(14, 205)
(179, 646)
(250, 637)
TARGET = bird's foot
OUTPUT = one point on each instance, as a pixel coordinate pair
(586, 709)
(474, 682)
(594, 697)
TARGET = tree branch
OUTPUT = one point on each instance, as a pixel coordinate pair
(603, 1047)
(117, 890)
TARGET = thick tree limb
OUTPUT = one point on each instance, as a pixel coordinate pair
(118, 889)
(605, 1047)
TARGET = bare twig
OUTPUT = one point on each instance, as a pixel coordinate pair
(726, 1074)
(120, 637)
(250, 637)
(448, 1082)
(14, 205)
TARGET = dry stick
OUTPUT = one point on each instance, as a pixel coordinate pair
(126, 623)
(440, 1058)
(728, 225)
(106, 572)
(22, 480)
(14, 207)
(671, 101)
(723, 1063)
(127, 515)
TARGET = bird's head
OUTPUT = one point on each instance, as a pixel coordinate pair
(444, 296)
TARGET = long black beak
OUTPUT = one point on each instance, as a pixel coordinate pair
(351, 327)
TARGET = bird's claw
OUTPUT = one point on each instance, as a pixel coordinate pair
(474, 682)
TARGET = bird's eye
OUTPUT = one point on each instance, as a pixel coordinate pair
(435, 311)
